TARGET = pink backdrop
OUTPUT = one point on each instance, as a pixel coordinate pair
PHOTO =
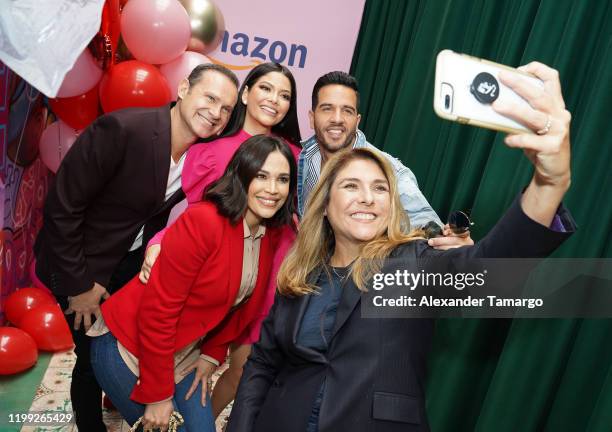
(310, 37)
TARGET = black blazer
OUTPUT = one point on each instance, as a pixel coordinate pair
(111, 182)
(375, 369)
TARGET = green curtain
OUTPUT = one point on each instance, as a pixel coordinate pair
(501, 375)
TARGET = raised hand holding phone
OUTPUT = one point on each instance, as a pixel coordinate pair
(527, 103)
(548, 146)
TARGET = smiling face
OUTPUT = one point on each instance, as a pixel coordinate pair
(206, 106)
(267, 102)
(269, 189)
(359, 203)
(335, 118)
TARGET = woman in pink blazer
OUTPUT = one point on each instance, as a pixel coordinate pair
(267, 105)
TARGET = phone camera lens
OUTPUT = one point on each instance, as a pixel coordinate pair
(447, 102)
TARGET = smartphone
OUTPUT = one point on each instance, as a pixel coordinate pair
(466, 87)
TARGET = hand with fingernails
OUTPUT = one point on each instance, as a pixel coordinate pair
(151, 255)
(157, 415)
(86, 306)
(204, 370)
(548, 148)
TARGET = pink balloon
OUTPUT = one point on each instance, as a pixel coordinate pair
(180, 68)
(155, 32)
(55, 142)
(83, 76)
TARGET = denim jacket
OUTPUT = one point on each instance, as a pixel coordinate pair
(416, 206)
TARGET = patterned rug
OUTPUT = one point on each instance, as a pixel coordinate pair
(53, 394)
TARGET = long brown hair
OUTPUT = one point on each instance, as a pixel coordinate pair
(315, 240)
(230, 192)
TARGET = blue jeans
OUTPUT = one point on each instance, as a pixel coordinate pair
(117, 381)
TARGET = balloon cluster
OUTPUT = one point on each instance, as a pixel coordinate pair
(142, 52)
(40, 325)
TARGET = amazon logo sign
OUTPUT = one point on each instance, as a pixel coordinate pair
(260, 49)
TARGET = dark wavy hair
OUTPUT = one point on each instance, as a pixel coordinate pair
(288, 128)
(229, 193)
(334, 78)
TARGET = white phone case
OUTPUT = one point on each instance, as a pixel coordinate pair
(454, 96)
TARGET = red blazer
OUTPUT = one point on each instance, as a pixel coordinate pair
(191, 290)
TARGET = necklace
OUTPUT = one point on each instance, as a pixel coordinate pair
(340, 276)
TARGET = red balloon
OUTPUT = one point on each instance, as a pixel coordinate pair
(111, 22)
(104, 44)
(23, 300)
(17, 351)
(133, 84)
(77, 111)
(48, 326)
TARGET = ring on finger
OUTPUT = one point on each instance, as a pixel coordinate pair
(546, 128)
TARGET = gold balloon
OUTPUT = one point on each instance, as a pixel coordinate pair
(207, 25)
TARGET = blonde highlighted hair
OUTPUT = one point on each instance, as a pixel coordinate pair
(315, 240)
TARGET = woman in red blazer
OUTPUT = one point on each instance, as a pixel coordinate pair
(158, 343)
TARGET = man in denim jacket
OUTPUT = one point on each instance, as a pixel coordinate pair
(334, 118)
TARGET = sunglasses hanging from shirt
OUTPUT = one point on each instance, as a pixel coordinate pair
(459, 223)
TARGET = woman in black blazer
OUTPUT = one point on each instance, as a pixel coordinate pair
(318, 365)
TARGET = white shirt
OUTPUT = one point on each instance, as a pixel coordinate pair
(174, 183)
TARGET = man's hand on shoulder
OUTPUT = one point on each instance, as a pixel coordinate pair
(85, 305)
(450, 240)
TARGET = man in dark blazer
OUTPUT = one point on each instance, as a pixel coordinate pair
(113, 191)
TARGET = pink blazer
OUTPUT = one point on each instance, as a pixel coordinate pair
(206, 163)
